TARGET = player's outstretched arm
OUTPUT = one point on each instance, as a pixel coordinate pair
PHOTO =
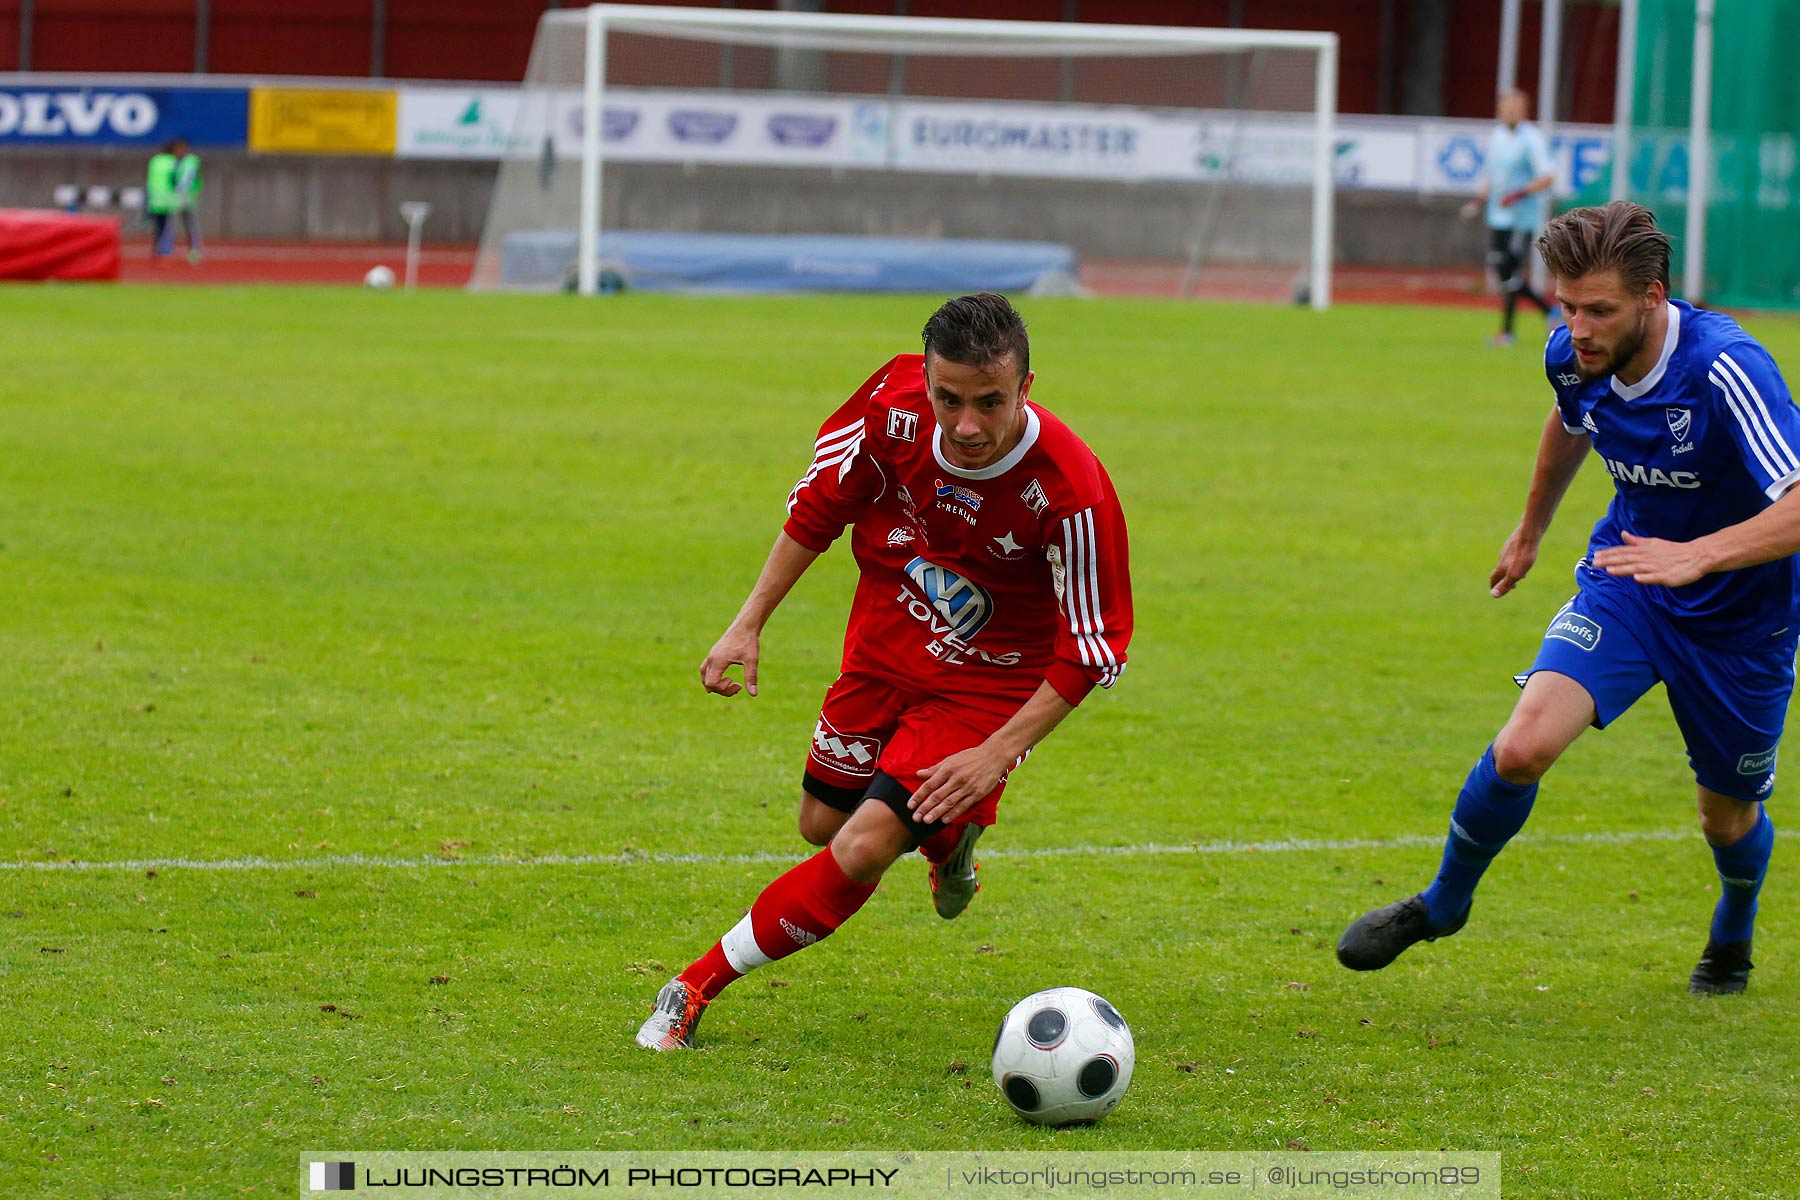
(741, 643)
(1559, 458)
(950, 788)
(1536, 185)
(1771, 534)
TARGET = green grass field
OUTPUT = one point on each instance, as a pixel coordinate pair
(357, 790)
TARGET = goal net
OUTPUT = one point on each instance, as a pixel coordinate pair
(718, 149)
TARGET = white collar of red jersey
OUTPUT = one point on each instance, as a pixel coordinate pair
(1654, 375)
(1007, 461)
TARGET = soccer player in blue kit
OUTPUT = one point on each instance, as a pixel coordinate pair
(1690, 578)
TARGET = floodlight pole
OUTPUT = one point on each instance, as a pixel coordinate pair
(1693, 267)
(1549, 66)
(1506, 73)
(1623, 98)
(1549, 75)
(1324, 188)
(587, 265)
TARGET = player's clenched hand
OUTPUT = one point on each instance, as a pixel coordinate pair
(1652, 560)
(951, 788)
(737, 646)
(1516, 559)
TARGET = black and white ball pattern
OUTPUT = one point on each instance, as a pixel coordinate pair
(1063, 1057)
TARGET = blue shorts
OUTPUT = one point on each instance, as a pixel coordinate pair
(1730, 700)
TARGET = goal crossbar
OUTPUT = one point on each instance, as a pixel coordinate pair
(1066, 37)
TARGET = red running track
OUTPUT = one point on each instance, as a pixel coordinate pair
(450, 266)
(293, 262)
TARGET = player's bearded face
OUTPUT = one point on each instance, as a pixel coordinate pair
(1607, 324)
(981, 409)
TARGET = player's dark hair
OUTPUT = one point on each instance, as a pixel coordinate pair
(1620, 236)
(978, 330)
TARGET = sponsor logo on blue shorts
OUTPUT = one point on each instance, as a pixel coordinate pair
(1756, 764)
(1573, 627)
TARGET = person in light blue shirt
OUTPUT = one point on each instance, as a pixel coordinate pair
(1690, 579)
(1515, 182)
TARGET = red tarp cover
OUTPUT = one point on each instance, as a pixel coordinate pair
(43, 244)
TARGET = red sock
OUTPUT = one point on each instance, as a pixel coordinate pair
(941, 845)
(796, 910)
(710, 973)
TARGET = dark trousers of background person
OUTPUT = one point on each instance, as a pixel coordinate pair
(165, 232)
(1508, 252)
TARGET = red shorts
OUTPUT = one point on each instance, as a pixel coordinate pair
(868, 724)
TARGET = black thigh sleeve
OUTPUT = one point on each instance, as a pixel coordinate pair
(894, 794)
(843, 799)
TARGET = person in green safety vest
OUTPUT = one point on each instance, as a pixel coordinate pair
(187, 197)
(160, 198)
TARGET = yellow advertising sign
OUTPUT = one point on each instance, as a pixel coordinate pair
(322, 121)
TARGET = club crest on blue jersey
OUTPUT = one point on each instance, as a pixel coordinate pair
(961, 602)
(1680, 421)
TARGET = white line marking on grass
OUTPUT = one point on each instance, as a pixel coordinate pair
(334, 862)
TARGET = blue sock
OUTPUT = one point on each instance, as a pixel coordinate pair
(1742, 866)
(1488, 812)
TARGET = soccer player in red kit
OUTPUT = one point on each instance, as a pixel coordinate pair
(994, 594)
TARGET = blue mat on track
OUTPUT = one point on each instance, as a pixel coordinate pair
(728, 262)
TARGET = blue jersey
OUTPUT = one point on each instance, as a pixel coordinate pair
(1708, 438)
(1515, 157)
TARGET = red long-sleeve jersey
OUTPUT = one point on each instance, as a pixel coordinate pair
(975, 585)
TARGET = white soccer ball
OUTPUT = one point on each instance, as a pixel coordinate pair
(1063, 1057)
(379, 277)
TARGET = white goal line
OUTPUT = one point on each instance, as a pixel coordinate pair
(335, 862)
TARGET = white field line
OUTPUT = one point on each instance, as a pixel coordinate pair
(338, 862)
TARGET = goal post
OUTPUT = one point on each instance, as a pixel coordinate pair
(720, 147)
